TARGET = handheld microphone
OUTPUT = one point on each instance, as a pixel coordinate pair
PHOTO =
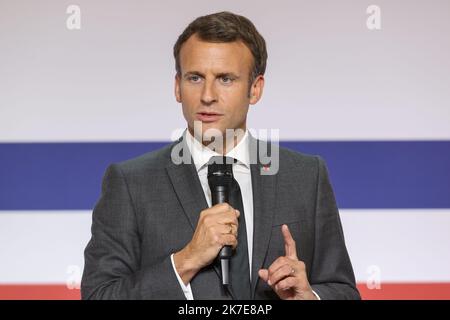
(220, 177)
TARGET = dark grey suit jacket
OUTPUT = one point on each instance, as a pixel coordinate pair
(149, 209)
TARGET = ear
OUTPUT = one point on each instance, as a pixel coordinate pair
(177, 88)
(256, 89)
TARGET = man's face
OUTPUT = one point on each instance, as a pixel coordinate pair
(213, 86)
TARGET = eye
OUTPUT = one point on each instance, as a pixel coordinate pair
(194, 78)
(226, 79)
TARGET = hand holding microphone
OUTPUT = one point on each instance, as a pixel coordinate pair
(220, 176)
(217, 227)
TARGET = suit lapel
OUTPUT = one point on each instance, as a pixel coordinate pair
(264, 200)
(189, 191)
(187, 186)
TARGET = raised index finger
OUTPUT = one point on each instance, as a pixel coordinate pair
(289, 243)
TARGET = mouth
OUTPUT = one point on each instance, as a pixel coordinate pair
(208, 116)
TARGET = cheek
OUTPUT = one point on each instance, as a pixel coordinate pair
(189, 98)
(238, 104)
(242, 113)
(189, 92)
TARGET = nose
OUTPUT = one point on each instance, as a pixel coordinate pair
(209, 94)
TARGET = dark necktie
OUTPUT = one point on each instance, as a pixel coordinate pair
(239, 265)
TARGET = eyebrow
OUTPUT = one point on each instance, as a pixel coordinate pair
(219, 75)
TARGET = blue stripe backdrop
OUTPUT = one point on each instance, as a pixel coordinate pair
(369, 174)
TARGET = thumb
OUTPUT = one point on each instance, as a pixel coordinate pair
(264, 274)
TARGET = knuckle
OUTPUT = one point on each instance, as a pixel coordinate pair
(225, 206)
(283, 260)
(206, 219)
(271, 269)
(273, 277)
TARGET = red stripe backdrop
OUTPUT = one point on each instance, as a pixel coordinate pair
(388, 291)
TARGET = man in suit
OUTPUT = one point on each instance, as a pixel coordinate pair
(155, 233)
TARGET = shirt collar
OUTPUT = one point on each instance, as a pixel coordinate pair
(201, 154)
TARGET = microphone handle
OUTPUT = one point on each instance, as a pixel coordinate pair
(221, 195)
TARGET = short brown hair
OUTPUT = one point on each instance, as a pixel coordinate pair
(226, 27)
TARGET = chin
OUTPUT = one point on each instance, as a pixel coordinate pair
(211, 131)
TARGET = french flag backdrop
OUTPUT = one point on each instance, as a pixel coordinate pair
(375, 104)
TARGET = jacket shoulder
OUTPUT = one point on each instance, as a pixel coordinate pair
(151, 161)
(299, 160)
